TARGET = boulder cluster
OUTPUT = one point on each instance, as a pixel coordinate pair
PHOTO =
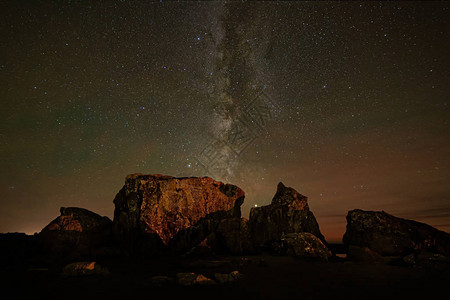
(157, 214)
(198, 216)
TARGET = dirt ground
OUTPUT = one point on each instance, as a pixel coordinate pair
(266, 277)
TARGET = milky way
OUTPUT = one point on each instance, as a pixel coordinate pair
(345, 102)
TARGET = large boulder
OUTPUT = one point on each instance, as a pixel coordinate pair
(301, 245)
(288, 213)
(76, 232)
(392, 236)
(153, 212)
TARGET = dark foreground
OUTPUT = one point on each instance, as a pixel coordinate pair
(266, 277)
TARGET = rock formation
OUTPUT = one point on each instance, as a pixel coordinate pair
(77, 231)
(392, 236)
(288, 213)
(153, 212)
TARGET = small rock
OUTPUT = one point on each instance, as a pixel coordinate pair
(236, 275)
(161, 280)
(428, 256)
(262, 263)
(84, 268)
(186, 279)
(363, 254)
(410, 259)
(223, 278)
(243, 261)
(203, 280)
(189, 279)
(428, 259)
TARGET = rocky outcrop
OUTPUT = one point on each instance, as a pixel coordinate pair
(301, 245)
(153, 212)
(288, 213)
(77, 231)
(392, 236)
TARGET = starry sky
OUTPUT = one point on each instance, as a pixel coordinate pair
(347, 102)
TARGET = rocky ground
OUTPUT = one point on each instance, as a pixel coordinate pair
(264, 277)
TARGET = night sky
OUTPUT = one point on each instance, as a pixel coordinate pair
(345, 102)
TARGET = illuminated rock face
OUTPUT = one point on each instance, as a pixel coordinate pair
(302, 245)
(389, 235)
(288, 213)
(155, 209)
(75, 232)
